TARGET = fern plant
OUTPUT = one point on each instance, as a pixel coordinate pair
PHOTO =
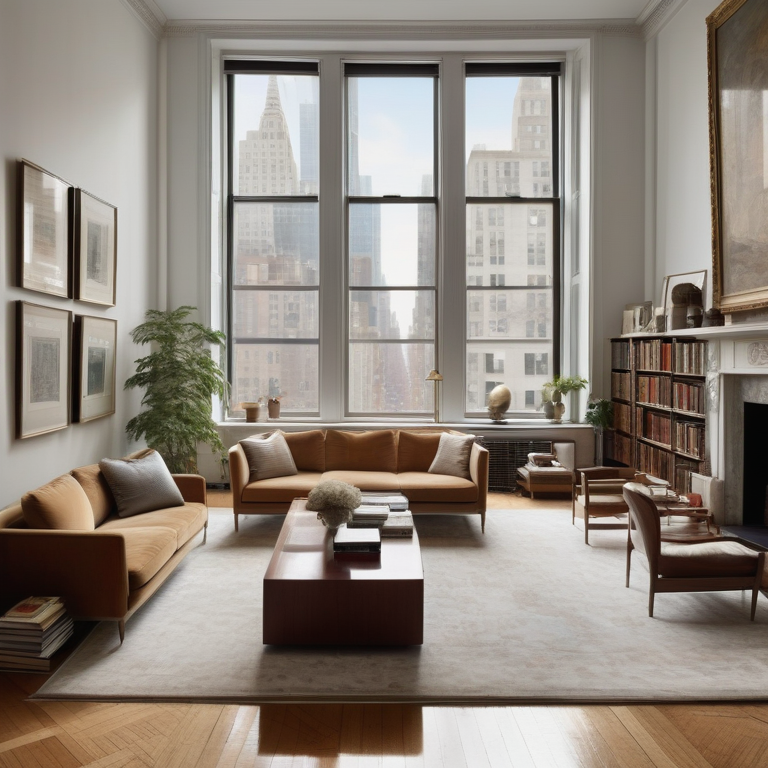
(179, 377)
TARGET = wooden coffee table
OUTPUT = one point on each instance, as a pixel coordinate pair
(312, 599)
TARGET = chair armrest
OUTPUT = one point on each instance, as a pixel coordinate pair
(192, 488)
(87, 569)
(239, 473)
(478, 472)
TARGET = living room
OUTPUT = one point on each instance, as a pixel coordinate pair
(123, 98)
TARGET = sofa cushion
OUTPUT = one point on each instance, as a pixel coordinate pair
(147, 550)
(365, 481)
(416, 451)
(97, 490)
(268, 456)
(452, 456)
(710, 558)
(60, 505)
(185, 521)
(425, 486)
(307, 449)
(141, 485)
(279, 489)
(373, 451)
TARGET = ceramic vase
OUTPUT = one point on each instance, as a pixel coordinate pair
(273, 406)
(559, 409)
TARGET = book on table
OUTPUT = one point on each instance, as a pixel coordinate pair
(369, 516)
(361, 540)
(395, 501)
(398, 525)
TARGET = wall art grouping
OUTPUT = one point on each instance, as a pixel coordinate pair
(67, 248)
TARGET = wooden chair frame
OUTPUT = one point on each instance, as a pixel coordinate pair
(593, 482)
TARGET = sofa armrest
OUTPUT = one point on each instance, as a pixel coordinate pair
(239, 473)
(87, 569)
(478, 472)
(192, 488)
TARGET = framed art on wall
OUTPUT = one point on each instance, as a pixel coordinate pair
(43, 363)
(95, 344)
(738, 130)
(44, 231)
(95, 249)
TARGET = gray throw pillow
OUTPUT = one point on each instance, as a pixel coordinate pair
(268, 457)
(141, 485)
(452, 457)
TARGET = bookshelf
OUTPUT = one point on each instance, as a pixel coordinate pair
(659, 401)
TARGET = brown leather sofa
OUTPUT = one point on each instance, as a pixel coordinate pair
(106, 573)
(377, 460)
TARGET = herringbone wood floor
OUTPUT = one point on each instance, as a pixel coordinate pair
(74, 734)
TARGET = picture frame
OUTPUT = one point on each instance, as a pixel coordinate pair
(697, 278)
(44, 231)
(43, 369)
(95, 344)
(738, 77)
(95, 249)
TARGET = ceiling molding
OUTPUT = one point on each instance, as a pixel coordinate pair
(416, 30)
(149, 15)
(656, 14)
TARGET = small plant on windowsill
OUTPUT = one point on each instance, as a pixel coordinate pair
(552, 394)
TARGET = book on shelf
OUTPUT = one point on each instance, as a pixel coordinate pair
(365, 540)
(395, 501)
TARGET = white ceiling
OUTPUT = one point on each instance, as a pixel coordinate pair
(401, 10)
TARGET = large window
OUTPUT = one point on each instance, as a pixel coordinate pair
(513, 240)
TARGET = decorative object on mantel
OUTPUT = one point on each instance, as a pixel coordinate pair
(600, 415)
(738, 80)
(681, 296)
(273, 407)
(499, 400)
(435, 376)
(179, 378)
(552, 395)
(636, 317)
(334, 501)
(713, 318)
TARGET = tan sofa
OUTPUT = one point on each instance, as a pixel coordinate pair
(378, 460)
(106, 573)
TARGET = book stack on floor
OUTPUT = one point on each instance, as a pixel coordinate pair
(356, 543)
(31, 632)
(391, 524)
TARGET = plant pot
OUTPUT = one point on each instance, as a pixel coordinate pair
(549, 409)
(559, 409)
(251, 412)
(273, 407)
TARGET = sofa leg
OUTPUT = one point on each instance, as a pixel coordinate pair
(237, 524)
(482, 521)
(205, 532)
(121, 630)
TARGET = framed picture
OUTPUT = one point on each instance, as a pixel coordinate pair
(95, 249)
(683, 286)
(738, 130)
(44, 231)
(95, 344)
(43, 363)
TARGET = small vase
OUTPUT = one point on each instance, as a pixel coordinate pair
(559, 411)
(251, 412)
(549, 409)
(273, 406)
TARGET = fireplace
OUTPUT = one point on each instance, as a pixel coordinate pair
(755, 485)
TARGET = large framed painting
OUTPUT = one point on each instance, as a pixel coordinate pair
(43, 363)
(95, 249)
(737, 47)
(44, 231)
(95, 344)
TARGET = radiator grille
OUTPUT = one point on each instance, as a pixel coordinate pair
(505, 456)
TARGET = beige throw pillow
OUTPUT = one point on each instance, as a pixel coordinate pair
(60, 505)
(141, 485)
(268, 457)
(452, 456)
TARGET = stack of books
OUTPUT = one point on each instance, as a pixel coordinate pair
(390, 524)
(369, 516)
(395, 501)
(354, 543)
(31, 632)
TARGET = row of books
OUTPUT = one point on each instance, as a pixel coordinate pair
(620, 385)
(690, 357)
(654, 461)
(32, 631)
(620, 354)
(655, 426)
(653, 355)
(622, 417)
(683, 471)
(689, 438)
(655, 390)
(689, 397)
(622, 449)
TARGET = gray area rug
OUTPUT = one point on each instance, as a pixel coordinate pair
(526, 612)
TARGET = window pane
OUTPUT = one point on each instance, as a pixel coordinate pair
(391, 244)
(509, 136)
(509, 314)
(516, 250)
(390, 378)
(392, 314)
(522, 366)
(276, 244)
(276, 314)
(267, 370)
(390, 135)
(276, 133)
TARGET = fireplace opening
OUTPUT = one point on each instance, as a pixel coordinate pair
(755, 505)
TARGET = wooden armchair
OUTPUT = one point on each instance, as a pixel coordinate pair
(713, 566)
(597, 494)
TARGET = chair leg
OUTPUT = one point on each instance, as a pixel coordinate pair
(121, 630)
(758, 583)
(205, 532)
(237, 524)
(586, 527)
(482, 521)
(651, 595)
(629, 558)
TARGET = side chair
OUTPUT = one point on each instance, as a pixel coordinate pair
(713, 566)
(597, 494)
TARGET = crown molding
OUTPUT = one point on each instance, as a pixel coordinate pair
(656, 14)
(415, 30)
(149, 14)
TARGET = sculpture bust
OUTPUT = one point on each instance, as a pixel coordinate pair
(498, 402)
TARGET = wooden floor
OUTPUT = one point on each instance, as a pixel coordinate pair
(70, 734)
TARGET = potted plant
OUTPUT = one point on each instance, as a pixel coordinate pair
(179, 377)
(600, 415)
(552, 394)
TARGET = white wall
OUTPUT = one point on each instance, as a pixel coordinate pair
(683, 213)
(78, 88)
